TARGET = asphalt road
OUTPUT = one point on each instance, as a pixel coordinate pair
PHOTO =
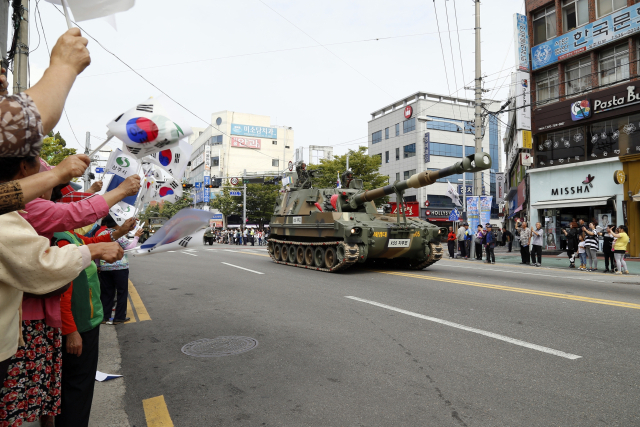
(459, 344)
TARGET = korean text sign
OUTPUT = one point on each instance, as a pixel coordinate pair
(615, 26)
(257, 131)
(246, 142)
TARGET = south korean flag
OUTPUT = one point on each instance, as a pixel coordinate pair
(173, 159)
(169, 191)
(149, 127)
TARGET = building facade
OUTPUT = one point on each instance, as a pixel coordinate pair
(427, 131)
(235, 144)
(585, 115)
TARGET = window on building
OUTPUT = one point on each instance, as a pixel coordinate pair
(409, 125)
(275, 162)
(274, 142)
(397, 176)
(614, 64)
(216, 140)
(397, 129)
(409, 174)
(386, 157)
(544, 25)
(578, 76)
(438, 125)
(574, 14)
(547, 86)
(409, 150)
(436, 201)
(449, 150)
(386, 133)
(376, 137)
(397, 153)
(605, 7)
(410, 198)
(215, 161)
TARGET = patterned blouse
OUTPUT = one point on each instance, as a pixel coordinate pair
(20, 136)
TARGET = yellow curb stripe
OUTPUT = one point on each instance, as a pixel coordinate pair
(141, 310)
(519, 290)
(156, 412)
(132, 314)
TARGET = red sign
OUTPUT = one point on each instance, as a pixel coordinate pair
(408, 112)
(240, 142)
(426, 203)
(411, 208)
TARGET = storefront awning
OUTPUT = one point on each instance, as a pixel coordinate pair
(591, 201)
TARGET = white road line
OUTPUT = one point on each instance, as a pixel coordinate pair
(170, 251)
(241, 268)
(529, 274)
(187, 253)
(474, 330)
(229, 250)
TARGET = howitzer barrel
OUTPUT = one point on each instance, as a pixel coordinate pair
(474, 163)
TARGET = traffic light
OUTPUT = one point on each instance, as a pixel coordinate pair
(186, 186)
(215, 183)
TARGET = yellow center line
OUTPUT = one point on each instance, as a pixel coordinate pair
(156, 412)
(141, 310)
(520, 290)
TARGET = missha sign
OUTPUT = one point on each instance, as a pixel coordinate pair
(611, 102)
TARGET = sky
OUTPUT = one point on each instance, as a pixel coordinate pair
(314, 66)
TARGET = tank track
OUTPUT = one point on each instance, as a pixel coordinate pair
(351, 254)
(435, 255)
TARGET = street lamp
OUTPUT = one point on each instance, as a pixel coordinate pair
(464, 181)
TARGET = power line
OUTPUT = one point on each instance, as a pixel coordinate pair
(265, 52)
(444, 62)
(327, 49)
(453, 62)
(459, 45)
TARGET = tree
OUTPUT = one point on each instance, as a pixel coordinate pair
(149, 212)
(170, 209)
(261, 199)
(364, 167)
(226, 204)
(54, 149)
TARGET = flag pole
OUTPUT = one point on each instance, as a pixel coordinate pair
(93, 153)
(65, 6)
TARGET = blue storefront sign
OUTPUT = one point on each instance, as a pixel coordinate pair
(617, 26)
(522, 42)
(206, 195)
(207, 180)
(217, 217)
(469, 190)
(259, 131)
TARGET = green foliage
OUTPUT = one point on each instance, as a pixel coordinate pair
(149, 212)
(170, 209)
(54, 149)
(364, 167)
(261, 199)
(226, 204)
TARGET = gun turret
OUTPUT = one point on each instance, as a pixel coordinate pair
(474, 163)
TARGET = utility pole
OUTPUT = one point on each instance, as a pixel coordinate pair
(244, 199)
(87, 150)
(477, 177)
(21, 59)
(4, 31)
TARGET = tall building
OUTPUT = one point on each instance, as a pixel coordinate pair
(585, 120)
(427, 131)
(235, 143)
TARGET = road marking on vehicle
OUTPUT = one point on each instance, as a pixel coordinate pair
(241, 268)
(156, 412)
(520, 290)
(528, 274)
(474, 330)
(136, 301)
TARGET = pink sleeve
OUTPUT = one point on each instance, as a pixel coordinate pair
(48, 217)
(133, 243)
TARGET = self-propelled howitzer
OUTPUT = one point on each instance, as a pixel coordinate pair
(330, 229)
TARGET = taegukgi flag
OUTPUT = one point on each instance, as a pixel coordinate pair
(173, 158)
(178, 228)
(169, 191)
(84, 10)
(453, 195)
(121, 167)
(149, 127)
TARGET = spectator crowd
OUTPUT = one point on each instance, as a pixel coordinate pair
(62, 261)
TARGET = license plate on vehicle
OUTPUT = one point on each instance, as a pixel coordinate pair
(398, 243)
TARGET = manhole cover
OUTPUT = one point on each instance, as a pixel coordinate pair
(220, 346)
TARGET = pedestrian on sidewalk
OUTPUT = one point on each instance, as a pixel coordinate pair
(607, 248)
(490, 244)
(451, 243)
(461, 240)
(582, 253)
(572, 242)
(591, 246)
(620, 248)
(479, 241)
(245, 235)
(525, 241)
(507, 238)
(536, 242)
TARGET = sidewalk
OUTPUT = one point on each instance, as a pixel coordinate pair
(556, 261)
(108, 397)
